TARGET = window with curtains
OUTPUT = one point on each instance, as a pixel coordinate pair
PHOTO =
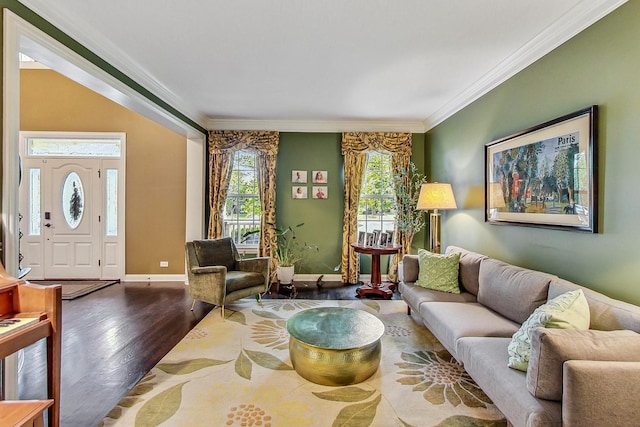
(242, 206)
(376, 204)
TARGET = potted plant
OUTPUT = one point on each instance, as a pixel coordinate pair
(406, 185)
(288, 252)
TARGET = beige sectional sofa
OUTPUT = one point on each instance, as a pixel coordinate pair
(476, 327)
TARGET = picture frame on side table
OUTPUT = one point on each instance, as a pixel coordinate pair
(361, 238)
(545, 176)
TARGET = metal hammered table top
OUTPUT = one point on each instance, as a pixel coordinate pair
(335, 328)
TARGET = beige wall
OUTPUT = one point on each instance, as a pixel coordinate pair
(155, 172)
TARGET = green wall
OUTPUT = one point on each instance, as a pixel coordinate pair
(322, 224)
(598, 66)
(322, 218)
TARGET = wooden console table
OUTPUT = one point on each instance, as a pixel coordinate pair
(42, 306)
(375, 286)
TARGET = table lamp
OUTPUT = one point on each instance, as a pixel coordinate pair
(435, 196)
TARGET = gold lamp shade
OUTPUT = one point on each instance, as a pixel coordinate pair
(435, 195)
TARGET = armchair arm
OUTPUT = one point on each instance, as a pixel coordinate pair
(600, 393)
(256, 265)
(410, 268)
(209, 269)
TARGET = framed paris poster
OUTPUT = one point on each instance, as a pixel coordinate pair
(545, 176)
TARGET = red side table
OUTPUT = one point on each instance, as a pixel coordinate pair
(375, 286)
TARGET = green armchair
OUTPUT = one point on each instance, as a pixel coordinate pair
(218, 275)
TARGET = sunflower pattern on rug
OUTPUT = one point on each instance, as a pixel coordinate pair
(237, 372)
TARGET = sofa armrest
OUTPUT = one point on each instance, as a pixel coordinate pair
(410, 268)
(600, 393)
(209, 269)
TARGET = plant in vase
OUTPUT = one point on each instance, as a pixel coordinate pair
(406, 185)
(289, 251)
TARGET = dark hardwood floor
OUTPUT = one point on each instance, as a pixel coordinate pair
(113, 337)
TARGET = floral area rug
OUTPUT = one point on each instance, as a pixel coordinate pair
(238, 372)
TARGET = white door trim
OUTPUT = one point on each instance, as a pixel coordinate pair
(110, 268)
(22, 36)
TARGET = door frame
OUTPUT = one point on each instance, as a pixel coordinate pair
(21, 36)
(105, 162)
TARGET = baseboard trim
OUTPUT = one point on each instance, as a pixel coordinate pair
(333, 277)
(154, 278)
(183, 278)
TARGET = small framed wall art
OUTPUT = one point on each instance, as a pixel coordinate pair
(320, 192)
(319, 177)
(299, 192)
(299, 176)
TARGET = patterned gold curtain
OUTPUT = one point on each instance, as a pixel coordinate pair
(219, 177)
(222, 146)
(355, 146)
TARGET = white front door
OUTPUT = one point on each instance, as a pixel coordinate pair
(72, 206)
(71, 219)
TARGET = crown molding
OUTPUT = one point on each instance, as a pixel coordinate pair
(317, 125)
(582, 16)
(113, 55)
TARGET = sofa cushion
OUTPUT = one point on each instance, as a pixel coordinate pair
(485, 359)
(567, 311)
(450, 321)
(469, 268)
(242, 280)
(415, 295)
(512, 291)
(607, 314)
(410, 268)
(550, 348)
(438, 272)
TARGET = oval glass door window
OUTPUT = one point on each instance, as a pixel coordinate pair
(72, 199)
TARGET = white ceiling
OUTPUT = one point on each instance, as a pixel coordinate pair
(321, 65)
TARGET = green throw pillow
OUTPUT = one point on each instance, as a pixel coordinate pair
(438, 272)
(567, 311)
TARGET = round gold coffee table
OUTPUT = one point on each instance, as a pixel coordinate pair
(334, 345)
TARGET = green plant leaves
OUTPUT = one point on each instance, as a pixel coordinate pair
(464, 421)
(346, 394)
(268, 361)
(243, 366)
(266, 314)
(372, 305)
(358, 415)
(235, 316)
(189, 366)
(160, 408)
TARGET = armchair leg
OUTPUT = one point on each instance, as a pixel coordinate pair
(260, 299)
(222, 311)
(193, 304)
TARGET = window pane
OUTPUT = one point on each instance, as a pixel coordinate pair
(111, 213)
(68, 147)
(35, 218)
(242, 207)
(72, 200)
(376, 204)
